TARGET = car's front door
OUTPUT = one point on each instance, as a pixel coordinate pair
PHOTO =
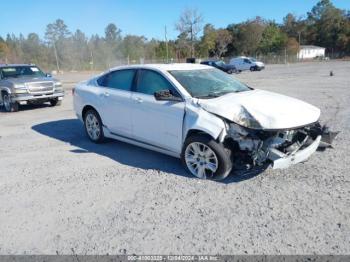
(116, 104)
(158, 123)
(247, 63)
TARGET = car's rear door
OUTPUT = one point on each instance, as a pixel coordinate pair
(116, 105)
(156, 122)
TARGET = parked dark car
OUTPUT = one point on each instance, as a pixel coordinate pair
(219, 64)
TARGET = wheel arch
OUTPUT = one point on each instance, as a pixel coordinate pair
(4, 90)
(87, 108)
(193, 132)
(199, 121)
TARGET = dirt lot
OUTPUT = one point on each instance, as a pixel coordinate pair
(61, 193)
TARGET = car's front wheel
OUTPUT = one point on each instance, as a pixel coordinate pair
(205, 158)
(55, 102)
(93, 126)
(8, 104)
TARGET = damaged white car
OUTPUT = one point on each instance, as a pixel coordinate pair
(214, 123)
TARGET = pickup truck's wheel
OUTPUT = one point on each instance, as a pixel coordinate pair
(93, 126)
(205, 158)
(8, 104)
(55, 102)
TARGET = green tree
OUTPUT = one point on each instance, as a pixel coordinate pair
(4, 51)
(207, 44)
(134, 47)
(327, 26)
(56, 34)
(112, 33)
(249, 35)
(273, 39)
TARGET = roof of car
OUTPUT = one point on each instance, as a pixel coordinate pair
(166, 67)
(211, 60)
(9, 65)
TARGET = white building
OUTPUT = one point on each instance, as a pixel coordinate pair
(311, 51)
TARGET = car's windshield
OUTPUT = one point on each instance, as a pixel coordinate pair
(18, 71)
(207, 83)
(252, 59)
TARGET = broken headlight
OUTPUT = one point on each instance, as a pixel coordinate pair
(245, 119)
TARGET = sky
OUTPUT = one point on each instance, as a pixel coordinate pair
(147, 17)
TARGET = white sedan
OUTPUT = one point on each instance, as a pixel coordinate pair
(213, 122)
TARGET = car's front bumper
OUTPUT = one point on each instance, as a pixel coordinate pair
(31, 97)
(281, 160)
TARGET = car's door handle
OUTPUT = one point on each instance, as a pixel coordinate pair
(105, 94)
(138, 99)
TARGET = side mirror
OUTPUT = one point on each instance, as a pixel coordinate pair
(166, 95)
(48, 75)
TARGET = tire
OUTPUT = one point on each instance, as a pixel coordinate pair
(230, 71)
(93, 126)
(217, 154)
(55, 102)
(253, 68)
(9, 105)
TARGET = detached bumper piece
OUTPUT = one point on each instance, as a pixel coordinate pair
(318, 138)
(327, 137)
(281, 160)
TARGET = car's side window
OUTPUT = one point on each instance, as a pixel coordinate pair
(119, 79)
(150, 82)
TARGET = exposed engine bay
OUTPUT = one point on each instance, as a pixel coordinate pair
(279, 148)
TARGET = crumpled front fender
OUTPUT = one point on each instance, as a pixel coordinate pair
(198, 119)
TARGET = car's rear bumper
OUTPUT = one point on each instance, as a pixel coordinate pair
(31, 97)
(281, 160)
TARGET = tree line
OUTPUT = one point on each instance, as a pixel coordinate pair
(324, 25)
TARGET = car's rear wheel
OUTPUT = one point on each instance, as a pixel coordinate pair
(205, 158)
(8, 104)
(93, 126)
(55, 102)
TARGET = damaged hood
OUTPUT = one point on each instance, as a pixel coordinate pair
(270, 110)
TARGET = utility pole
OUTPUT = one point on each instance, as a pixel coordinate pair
(92, 62)
(55, 50)
(192, 46)
(166, 45)
(285, 55)
(299, 33)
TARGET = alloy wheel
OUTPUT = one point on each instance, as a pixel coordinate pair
(93, 126)
(201, 160)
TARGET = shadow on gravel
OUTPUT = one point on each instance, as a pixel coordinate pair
(71, 131)
(28, 107)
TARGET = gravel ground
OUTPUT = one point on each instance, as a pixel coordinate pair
(59, 193)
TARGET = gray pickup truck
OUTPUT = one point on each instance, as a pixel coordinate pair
(22, 84)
